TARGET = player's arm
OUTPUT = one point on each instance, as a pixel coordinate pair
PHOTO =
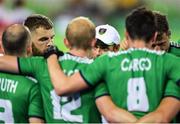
(36, 120)
(9, 64)
(63, 84)
(166, 111)
(112, 113)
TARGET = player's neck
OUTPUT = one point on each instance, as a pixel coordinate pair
(79, 52)
(140, 44)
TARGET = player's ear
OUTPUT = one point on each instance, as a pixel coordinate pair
(1, 47)
(126, 35)
(154, 37)
(66, 43)
(93, 43)
(29, 49)
(127, 38)
(153, 42)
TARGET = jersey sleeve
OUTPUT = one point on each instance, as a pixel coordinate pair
(29, 65)
(94, 73)
(101, 90)
(175, 48)
(35, 103)
(172, 90)
(172, 67)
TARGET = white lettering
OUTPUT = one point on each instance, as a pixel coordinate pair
(8, 85)
(124, 63)
(3, 85)
(136, 64)
(13, 86)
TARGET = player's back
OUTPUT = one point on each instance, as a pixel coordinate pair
(66, 109)
(83, 105)
(17, 94)
(139, 77)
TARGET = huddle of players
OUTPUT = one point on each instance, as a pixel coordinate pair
(138, 74)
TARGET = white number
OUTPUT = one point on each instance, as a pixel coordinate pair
(137, 98)
(6, 115)
(63, 111)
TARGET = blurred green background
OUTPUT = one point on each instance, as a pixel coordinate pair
(111, 12)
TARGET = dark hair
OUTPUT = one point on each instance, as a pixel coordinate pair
(140, 24)
(101, 45)
(80, 33)
(36, 20)
(162, 25)
(15, 39)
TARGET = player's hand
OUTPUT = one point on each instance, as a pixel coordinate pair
(52, 50)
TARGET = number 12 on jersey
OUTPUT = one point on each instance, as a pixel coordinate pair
(63, 111)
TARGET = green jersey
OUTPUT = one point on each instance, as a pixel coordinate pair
(174, 48)
(139, 77)
(20, 99)
(79, 107)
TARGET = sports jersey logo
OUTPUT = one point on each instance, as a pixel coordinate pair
(102, 31)
(142, 64)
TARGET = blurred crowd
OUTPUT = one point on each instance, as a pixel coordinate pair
(100, 11)
(62, 11)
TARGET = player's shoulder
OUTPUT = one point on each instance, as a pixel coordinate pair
(28, 80)
(31, 79)
(73, 58)
(120, 52)
(170, 57)
(21, 80)
(37, 58)
(131, 51)
(175, 44)
(33, 58)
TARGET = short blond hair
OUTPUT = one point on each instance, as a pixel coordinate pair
(80, 33)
